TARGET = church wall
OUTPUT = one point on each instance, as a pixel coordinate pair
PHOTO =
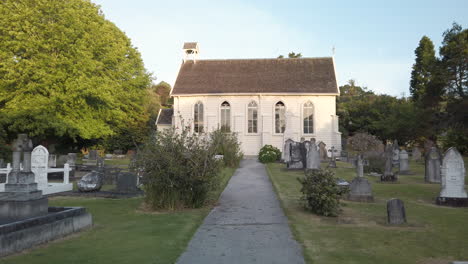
(325, 119)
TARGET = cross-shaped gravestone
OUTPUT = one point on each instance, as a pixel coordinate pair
(332, 163)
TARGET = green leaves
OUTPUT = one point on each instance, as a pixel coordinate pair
(67, 71)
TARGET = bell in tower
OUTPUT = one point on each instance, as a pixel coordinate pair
(190, 51)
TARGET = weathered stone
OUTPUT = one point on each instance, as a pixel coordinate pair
(323, 151)
(388, 175)
(110, 175)
(2, 163)
(21, 199)
(295, 161)
(287, 150)
(432, 172)
(332, 163)
(396, 157)
(313, 157)
(93, 154)
(404, 163)
(360, 190)
(39, 165)
(127, 182)
(416, 154)
(52, 161)
(90, 182)
(453, 180)
(396, 214)
(359, 167)
(61, 160)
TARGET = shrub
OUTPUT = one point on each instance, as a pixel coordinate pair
(320, 192)
(269, 154)
(362, 142)
(178, 169)
(376, 163)
(228, 146)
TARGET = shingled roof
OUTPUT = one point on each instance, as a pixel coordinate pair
(301, 76)
(165, 116)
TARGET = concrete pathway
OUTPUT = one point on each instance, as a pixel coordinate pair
(248, 225)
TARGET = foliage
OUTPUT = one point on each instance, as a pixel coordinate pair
(362, 142)
(291, 55)
(454, 58)
(384, 116)
(422, 68)
(376, 163)
(5, 151)
(320, 192)
(163, 90)
(269, 154)
(227, 145)
(179, 169)
(66, 71)
(456, 137)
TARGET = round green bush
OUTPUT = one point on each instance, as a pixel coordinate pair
(269, 154)
(320, 192)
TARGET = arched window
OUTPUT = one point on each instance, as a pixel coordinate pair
(308, 115)
(252, 112)
(280, 119)
(198, 117)
(225, 117)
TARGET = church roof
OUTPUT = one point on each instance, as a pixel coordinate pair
(300, 76)
(165, 116)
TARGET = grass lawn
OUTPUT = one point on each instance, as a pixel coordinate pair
(122, 233)
(433, 234)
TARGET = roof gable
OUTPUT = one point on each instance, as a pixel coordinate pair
(301, 76)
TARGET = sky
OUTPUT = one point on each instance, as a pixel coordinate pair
(374, 40)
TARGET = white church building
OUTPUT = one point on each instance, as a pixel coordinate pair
(264, 101)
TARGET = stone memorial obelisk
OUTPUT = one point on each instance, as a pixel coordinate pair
(21, 199)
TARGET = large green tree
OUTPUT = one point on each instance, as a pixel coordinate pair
(66, 71)
(423, 68)
(454, 58)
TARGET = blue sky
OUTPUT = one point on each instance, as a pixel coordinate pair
(374, 40)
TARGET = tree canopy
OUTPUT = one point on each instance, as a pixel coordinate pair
(291, 55)
(66, 71)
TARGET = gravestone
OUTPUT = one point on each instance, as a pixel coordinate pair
(52, 161)
(404, 163)
(313, 157)
(39, 165)
(127, 182)
(396, 157)
(93, 154)
(295, 161)
(110, 175)
(71, 160)
(332, 163)
(388, 175)
(323, 151)
(360, 190)
(432, 166)
(2, 163)
(359, 166)
(396, 214)
(91, 182)
(286, 150)
(61, 160)
(453, 191)
(21, 198)
(416, 154)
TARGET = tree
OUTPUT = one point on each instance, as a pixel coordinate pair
(66, 71)
(454, 58)
(423, 68)
(163, 89)
(291, 55)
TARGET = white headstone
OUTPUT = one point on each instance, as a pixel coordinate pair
(313, 157)
(287, 150)
(404, 163)
(39, 165)
(453, 175)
